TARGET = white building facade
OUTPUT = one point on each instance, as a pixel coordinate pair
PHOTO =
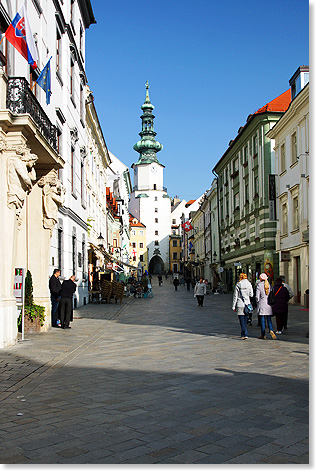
(37, 141)
(291, 136)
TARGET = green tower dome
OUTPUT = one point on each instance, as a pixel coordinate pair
(147, 146)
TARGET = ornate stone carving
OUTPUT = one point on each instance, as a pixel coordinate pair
(74, 135)
(21, 176)
(53, 198)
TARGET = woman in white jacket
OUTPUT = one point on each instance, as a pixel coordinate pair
(200, 292)
(243, 286)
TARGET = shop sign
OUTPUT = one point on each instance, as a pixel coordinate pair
(285, 256)
(18, 284)
(237, 264)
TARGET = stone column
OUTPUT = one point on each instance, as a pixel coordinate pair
(17, 176)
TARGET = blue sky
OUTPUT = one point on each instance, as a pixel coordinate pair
(209, 64)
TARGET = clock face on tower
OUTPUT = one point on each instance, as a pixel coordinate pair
(153, 168)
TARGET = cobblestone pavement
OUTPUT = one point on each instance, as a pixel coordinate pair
(157, 381)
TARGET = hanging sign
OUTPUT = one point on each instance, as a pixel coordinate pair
(109, 265)
(272, 197)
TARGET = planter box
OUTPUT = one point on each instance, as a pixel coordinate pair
(31, 326)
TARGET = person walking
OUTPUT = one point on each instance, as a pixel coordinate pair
(188, 281)
(291, 294)
(176, 282)
(200, 291)
(68, 288)
(160, 279)
(280, 308)
(264, 310)
(55, 288)
(242, 293)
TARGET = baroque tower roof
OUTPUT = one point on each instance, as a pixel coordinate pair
(147, 146)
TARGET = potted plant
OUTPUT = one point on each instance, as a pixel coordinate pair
(34, 315)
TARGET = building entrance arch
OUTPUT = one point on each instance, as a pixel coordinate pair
(156, 265)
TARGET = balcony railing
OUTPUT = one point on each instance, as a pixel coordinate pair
(20, 100)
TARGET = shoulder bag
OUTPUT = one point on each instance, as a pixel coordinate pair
(248, 309)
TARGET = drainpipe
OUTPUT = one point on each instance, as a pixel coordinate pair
(217, 178)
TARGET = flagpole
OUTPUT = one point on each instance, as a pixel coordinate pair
(33, 85)
(2, 39)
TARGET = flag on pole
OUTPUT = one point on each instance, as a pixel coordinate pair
(190, 247)
(19, 34)
(44, 81)
(187, 226)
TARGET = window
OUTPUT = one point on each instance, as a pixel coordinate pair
(72, 79)
(156, 243)
(174, 242)
(81, 38)
(236, 201)
(173, 221)
(3, 46)
(140, 245)
(60, 248)
(141, 233)
(82, 184)
(156, 221)
(175, 255)
(294, 148)
(141, 258)
(74, 246)
(72, 169)
(295, 213)
(58, 53)
(282, 158)
(82, 104)
(156, 232)
(156, 209)
(133, 232)
(227, 207)
(256, 186)
(246, 192)
(235, 164)
(83, 257)
(72, 12)
(154, 186)
(245, 154)
(134, 245)
(255, 145)
(284, 218)
(134, 258)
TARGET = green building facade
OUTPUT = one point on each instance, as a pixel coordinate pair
(247, 226)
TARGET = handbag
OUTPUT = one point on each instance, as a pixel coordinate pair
(248, 309)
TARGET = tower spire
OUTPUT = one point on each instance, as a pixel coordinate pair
(147, 146)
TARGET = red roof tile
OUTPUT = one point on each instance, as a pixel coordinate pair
(279, 104)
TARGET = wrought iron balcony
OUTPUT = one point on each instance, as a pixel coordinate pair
(20, 100)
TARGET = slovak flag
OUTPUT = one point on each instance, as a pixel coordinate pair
(187, 226)
(20, 36)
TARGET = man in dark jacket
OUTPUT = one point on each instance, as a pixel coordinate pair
(280, 308)
(68, 288)
(55, 288)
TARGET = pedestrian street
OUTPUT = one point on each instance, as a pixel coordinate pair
(157, 380)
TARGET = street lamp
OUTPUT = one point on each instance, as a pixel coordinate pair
(100, 240)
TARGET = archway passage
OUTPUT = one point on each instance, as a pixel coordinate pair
(156, 265)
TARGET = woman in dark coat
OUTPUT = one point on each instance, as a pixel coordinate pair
(280, 308)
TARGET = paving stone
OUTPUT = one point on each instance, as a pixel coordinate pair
(138, 383)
